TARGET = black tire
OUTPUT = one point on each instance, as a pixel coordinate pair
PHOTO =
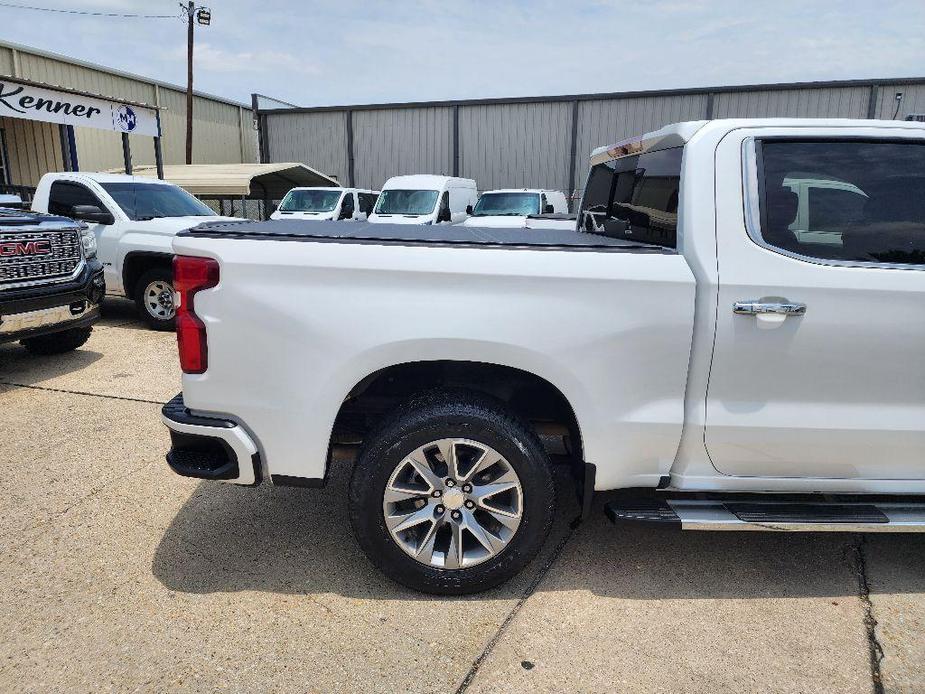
(164, 275)
(57, 343)
(446, 415)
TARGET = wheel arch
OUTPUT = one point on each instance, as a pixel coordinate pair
(136, 263)
(536, 399)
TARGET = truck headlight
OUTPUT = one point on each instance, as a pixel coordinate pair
(88, 241)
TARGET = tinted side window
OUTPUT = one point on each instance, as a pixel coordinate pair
(635, 198)
(844, 200)
(64, 196)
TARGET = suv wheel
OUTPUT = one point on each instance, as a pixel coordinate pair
(154, 298)
(452, 495)
(57, 343)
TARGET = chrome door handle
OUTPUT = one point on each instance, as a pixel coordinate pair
(755, 308)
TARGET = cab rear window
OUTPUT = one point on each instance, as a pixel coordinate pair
(635, 198)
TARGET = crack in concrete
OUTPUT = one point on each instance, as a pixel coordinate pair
(875, 649)
(530, 589)
(80, 392)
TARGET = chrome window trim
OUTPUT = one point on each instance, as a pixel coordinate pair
(752, 214)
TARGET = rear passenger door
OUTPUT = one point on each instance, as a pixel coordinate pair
(819, 361)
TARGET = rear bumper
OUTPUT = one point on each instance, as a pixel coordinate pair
(209, 448)
(44, 309)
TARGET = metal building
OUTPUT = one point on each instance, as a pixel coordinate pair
(32, 144)
(538, 141)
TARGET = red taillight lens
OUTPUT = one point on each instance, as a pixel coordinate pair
(191, 275)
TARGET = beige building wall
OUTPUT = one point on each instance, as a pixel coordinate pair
(32, 149)
(222, 130)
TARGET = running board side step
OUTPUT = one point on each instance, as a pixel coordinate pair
(729, 514)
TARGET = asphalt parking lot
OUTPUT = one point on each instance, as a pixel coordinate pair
(119, 575)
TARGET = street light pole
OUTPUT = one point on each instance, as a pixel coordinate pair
(189, 82)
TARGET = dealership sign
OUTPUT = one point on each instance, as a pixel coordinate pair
(36, 103)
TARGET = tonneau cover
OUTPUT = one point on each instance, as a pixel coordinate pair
(414, 234)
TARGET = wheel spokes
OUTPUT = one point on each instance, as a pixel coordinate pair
(453, 503)
(398, 523)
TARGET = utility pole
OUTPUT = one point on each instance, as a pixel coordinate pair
(190, 11)
(203, 16)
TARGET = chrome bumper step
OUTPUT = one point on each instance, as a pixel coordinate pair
(731, 514)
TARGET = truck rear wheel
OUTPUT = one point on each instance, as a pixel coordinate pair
(452, 495)
(154, 298)
(57, 343)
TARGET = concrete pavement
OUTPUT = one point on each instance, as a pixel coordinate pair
(117, 574)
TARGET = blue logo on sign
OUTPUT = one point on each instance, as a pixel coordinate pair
(126, 118)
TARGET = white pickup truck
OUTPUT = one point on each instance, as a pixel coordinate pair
(134, 220)
(725, 361)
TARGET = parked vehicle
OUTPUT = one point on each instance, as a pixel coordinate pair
(512, 207)
(11, 201)
(326, 203)
(51, 283)
(690, 350)
(134, 221)
(424, 199)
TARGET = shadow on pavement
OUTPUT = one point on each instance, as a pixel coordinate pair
(299, 541)
(19, 367)
(289, 540)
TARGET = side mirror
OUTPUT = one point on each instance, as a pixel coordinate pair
(548, 209)
(444, 215)
(92, 213)
(468, 209)
(345, 213)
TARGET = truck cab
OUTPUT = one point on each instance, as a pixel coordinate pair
(134, 220)
(424, 199)
(323, 204)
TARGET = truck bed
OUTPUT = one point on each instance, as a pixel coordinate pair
(417, 235)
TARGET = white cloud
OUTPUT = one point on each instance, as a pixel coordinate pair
(213, 59)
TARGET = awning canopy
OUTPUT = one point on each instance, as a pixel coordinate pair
(255, 181)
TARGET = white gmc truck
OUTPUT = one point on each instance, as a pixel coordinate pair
(134, 220)
(734, 337)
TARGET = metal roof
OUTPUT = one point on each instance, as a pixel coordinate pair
(258, 181)
(593, 96)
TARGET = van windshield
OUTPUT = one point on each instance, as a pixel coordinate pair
(310, 201)
(507, 204)
(406, 202)
(141, 201)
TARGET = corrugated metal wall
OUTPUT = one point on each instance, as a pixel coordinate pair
(533, 137)
(393, 142)
(317, 139)
(850, 102)
(33, 149)
(529, 143)
(222, 131)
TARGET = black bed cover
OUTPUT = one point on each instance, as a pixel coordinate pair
(415, 235)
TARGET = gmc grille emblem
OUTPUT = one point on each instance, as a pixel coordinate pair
(13, 248)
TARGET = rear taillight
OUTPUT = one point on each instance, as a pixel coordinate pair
(191, 275)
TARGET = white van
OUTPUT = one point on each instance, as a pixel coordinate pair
(326, 203)
(510, 207)
(424, 199)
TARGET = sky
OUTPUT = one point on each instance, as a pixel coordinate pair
(353, 52)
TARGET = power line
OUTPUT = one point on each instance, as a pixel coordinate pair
(87, 13)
